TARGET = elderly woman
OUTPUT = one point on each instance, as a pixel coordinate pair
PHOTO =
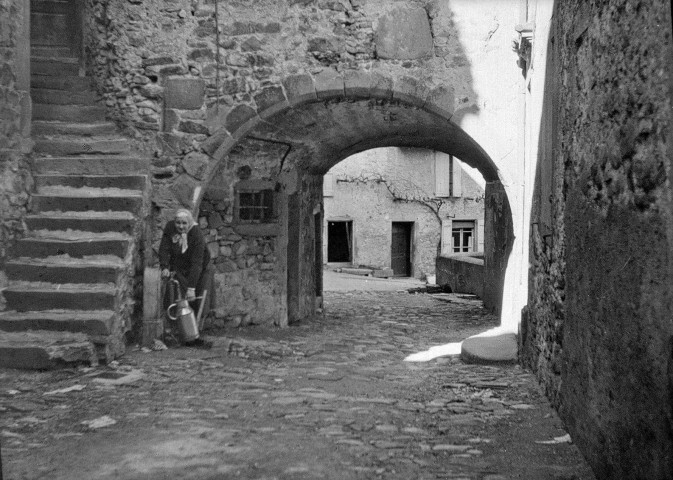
(183, 252)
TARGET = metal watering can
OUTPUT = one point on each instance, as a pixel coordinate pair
(184, 315)
(188, 327)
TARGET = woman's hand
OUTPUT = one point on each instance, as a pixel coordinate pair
(165, 273)
(191, 294)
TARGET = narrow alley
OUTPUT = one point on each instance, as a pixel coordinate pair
(329, 398)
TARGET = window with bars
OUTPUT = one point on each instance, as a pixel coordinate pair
(463, 236)
(254, 206)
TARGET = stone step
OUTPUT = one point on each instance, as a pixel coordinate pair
(71, 83)
(44, 350)
(128, 182)
(83, 222)
(29, 297)
(50, 52)
(91, 165)
(41, 127)
(60, 97)
(93, 322)
(64, 270)
(76, 248)
(99, 200)
(68, 113)
(55, 66)
(61, 146)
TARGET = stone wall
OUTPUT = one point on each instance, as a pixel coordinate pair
(398, 185)
(462, 273)
(189, 79)
(498, 243)
(249, 259)
(15, 144)
(598, 325)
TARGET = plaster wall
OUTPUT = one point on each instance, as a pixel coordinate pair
(598, 326)
(380, 186)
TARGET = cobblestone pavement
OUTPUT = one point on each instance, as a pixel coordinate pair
(330, 398)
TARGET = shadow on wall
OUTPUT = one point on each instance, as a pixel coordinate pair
(597, 326)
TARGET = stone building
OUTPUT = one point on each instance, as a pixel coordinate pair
(398, 208)
(597, 328)
(113, 113)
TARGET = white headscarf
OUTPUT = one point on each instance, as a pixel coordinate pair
(182, 237)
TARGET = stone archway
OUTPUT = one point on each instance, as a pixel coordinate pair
(295, 133)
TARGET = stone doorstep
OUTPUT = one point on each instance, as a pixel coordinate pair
(46, 127)
(357, 271)
(91, 165)
(64, 146)
(92, 322)
(104, 222)
(492, 346)
(122, 182)
(102, 202)
(63, 270)
(45, 247)
(45, 350)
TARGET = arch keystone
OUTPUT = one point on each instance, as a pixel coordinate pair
(441, 100)
(270, 100)
(381, 86)
(357, 83)
(411, 91)
(299, 89)
(329, 84)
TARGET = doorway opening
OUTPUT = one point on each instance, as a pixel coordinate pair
(400, 248)
(339, 242)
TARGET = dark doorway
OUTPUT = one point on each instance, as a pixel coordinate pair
(56, 30)
(400, 255)
(339, 242)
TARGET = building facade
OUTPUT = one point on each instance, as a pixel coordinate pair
(419, 204)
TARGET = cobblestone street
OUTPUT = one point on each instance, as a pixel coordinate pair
(332, 398)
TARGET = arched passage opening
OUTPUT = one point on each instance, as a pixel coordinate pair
(265, 185)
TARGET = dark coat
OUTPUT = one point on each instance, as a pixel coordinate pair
(189, 265)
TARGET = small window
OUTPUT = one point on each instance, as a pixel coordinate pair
(255, 206)
(462, 234)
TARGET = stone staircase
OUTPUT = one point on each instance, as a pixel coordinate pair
(71, 279)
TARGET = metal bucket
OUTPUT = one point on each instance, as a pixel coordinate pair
(184, 316)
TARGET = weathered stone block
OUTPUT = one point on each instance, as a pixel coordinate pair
(411, 91)
(185, 93)
(184, 190)
(441, 101)
(270, 101)
(41, 350)
(404, 34)
(239, 116)
(357, 83)
(381, 86)
(329, 84)
(196, 165)
(299, 89)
